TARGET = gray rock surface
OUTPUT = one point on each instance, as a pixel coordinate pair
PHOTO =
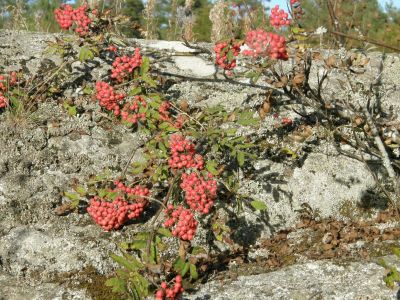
(313, 280)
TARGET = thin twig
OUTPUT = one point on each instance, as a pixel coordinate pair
(155, 218)
(365, 40)
(201, 49)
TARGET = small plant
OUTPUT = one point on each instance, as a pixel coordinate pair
(392, 276)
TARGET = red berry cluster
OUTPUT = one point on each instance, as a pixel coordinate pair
(66, 16)
(163, 111)
(5, 83)
(173, 293)
(108, 98)
(13, 79)
(222, 51)
(130, 111)
(296, 9)
(183, 220)
(200, 193)
(3, 88)
(183, 154)
(278, 17)
(3, 100)
(139, 192)
(112, 48)
(123, 66)
(112, 215)
(264, 44)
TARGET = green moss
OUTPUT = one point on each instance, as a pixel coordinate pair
(90, 280)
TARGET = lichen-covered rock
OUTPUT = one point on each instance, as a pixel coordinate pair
(313, 280)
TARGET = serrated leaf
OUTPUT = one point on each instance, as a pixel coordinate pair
(179, 265)
(17, 104)
(144, 68)
(72, 196)
(132, 264)
(185, 269)
(135, 91)
(240, 158)
(80, 190)
(87, 90)
(164, 232)
(137, 245)
(258, 205)
(211, 166)
(149, 81)
(117, 285)
(396, 251)
(193, 272)
(85, 54)
(246, 119)
(197, 250)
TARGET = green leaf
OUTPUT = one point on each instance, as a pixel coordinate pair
(149, 81)
(297, 30)
(193, 272)
(144, 68)
(80, 190)
(72, 196)
(17, 104)
(135, 91)
(85, 54)
(180, 265)
(197, 250)
(164, 232)
(229, 55)
(258, 205)
(136, 245)
(132, 264)
(185, 269)
(87, 90)
(240, 158)
(246, 119)
(117, 285)
(396, 251)
(211, 167)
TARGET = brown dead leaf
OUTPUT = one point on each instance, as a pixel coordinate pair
(316, 56)
(298, 79)
(358, 120)
(184, 105)
(63, 209)
(330, 61)
(232, 117)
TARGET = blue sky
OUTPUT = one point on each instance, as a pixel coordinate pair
(282, 3)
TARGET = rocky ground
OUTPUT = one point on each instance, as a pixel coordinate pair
(324, 229)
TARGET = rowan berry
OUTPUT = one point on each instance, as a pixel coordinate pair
(3, 100)
(3, 83)
(264, 44)
(130, 111)
(66, 16)
(183, 154)
(163, 111)
(108, 98)
(182, 220)
(200, 193)
(279, 17)
(170, 293)
(225, 54)
(297, 10)
(128, 205)
(124, 65)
